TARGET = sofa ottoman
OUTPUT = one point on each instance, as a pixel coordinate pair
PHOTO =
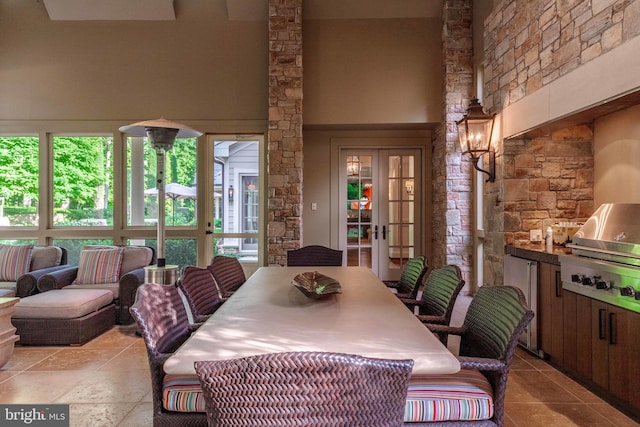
(64, 317)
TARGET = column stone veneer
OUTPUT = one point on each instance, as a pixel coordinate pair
(284, 149)
(452, 179)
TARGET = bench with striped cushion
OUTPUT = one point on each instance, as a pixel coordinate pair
(182, 393)
(466, 395)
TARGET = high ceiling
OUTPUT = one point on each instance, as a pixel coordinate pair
(240, 10)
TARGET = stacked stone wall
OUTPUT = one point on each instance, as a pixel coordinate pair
(547, 180)
(451, 192)
(530, 43)
(284, 148)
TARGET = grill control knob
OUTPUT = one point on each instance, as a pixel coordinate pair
(601, 284)
(586, 281)
(576, 278)
(627, 291)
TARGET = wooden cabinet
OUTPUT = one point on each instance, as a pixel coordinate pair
(593, 341)
(577, 333)
(551, 312)
(614, 335)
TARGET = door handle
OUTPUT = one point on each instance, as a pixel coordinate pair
(612, 329)
(375, 232)
(384, 232)
(601, 324)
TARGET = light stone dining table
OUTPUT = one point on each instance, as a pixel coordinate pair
(268, 315)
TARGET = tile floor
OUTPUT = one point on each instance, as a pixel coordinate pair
(106, 382)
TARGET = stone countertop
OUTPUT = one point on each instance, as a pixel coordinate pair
(537, 252)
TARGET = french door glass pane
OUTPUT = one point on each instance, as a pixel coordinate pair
(401, 209)
(19, 183)
(359, 204)
(236, 197)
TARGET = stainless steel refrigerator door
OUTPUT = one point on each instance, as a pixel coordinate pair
(523, 274)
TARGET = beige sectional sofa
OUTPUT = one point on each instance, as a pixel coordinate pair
(129, 276)
(42, 260)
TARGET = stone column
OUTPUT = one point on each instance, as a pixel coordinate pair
(452, 179)
(284, 149)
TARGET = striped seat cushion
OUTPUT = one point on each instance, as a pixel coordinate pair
(466, 395)
(182, 393)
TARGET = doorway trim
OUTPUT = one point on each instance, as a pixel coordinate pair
(389, 143)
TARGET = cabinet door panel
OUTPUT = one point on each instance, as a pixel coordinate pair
(557, 317)
(570, 330)
(633, 360)
(618, 351)
(583, 338)
(600, 344)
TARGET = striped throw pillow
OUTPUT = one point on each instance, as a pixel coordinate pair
(466, 395)
(14, 261)
(182, 393)
(99, 266)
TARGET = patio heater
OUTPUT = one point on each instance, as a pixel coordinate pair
(161, 133)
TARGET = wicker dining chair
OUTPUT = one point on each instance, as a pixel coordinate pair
(314, 255)
(410, 279)
(439, 294)
(164, 326)
(228, 274)
(495, 319)
(305, 389)
(201, 292)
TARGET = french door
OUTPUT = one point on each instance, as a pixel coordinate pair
(380, 209)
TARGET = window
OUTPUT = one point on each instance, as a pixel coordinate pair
(82, 181)
(180, 183)
(19, 184)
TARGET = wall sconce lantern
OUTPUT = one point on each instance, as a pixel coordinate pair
(230, 193)
(474, 134)
(353, 166)
(408, 185)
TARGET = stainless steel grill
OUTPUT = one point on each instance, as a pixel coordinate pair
(605, 259)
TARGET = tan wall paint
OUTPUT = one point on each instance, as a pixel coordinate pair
(617, 157)
(200, 66)
(372, 71)
(204, 67)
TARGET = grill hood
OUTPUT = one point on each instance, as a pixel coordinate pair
(611, 233)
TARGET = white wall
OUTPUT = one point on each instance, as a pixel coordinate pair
(616, 149)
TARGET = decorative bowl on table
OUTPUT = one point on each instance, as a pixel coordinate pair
(316, 285)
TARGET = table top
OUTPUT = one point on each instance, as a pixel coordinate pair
(268, 315)
(8, 301)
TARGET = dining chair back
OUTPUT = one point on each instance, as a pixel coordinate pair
(303, 389)
(410, 279)
(201, 292)
(228, 274)
(439, 294)
(495, 319)
(314, 255)
(163, 323)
